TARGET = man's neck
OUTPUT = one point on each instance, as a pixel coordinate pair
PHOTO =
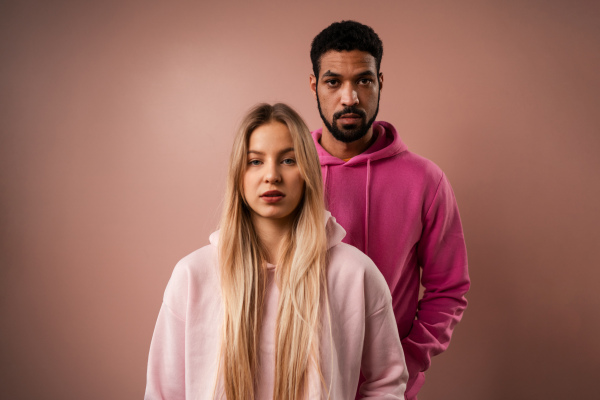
(343, 150)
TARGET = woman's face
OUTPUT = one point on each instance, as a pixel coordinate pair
(273, 185)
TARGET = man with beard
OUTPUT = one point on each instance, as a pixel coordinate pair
(396, 206)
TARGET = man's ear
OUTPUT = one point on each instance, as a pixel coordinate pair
(380, 78)
(313, 84)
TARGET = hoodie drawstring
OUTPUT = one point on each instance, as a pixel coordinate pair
(367, 207)
(325, 195)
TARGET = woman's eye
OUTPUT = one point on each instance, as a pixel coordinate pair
(254, 162)
(289, 161)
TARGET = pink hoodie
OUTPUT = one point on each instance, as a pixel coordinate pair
(399, 209)
(184, 354)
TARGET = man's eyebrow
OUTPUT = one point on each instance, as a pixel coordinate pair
(366, 72)
(329, 73)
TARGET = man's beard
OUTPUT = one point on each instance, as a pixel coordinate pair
(350, 133)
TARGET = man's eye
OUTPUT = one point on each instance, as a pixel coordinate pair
(364, 81)
(331, 82)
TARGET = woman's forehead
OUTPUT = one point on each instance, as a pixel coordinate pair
(273, 137)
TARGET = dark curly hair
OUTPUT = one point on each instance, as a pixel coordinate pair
(345, 36)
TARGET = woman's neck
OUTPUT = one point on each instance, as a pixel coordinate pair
(271, 235)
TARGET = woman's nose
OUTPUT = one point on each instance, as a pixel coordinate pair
(272, 174)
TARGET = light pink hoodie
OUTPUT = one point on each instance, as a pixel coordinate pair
(184, 354)
(399, 209)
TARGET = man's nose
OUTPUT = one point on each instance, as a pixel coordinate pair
(349, 95)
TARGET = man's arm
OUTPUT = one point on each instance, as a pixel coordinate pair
(442, 256)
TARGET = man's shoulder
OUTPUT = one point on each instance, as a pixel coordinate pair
(398, 152)
(418, 160)
(414, 166)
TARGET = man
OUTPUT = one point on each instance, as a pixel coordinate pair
(396, 206)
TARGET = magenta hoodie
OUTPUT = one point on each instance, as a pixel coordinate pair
(399, 209)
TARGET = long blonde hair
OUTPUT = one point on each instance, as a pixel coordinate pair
(301, 271)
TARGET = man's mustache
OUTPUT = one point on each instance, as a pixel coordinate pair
(350, 110)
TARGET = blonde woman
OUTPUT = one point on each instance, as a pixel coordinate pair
(276, 307)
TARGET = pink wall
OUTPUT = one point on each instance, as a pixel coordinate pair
(116, 123)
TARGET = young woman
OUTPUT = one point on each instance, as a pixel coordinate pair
(276, 307)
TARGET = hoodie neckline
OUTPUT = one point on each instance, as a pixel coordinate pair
(392, 145)
(335, 232)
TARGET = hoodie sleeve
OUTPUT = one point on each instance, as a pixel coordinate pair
(166, 361)
(443, 258)
(382, 364)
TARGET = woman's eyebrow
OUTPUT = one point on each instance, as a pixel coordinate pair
(262, 153)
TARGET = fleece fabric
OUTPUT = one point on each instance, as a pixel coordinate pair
(399, 209)
(185, 350)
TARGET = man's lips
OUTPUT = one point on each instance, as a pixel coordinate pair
(349, 118)
(272, 196)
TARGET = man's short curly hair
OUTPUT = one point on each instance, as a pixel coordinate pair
(345, 36)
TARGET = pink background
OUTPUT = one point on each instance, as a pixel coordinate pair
(116, 122)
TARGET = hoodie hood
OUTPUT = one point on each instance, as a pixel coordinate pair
(392, 145)
(335, 232)
(386, 145)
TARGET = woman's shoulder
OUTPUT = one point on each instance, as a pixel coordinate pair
(199, 262)
(344, 256)
(196, 272)
(351, 269)
(199, 258)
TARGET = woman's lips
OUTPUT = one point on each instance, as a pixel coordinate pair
(272, 196)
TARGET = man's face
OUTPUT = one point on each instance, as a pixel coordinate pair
(347, 92)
